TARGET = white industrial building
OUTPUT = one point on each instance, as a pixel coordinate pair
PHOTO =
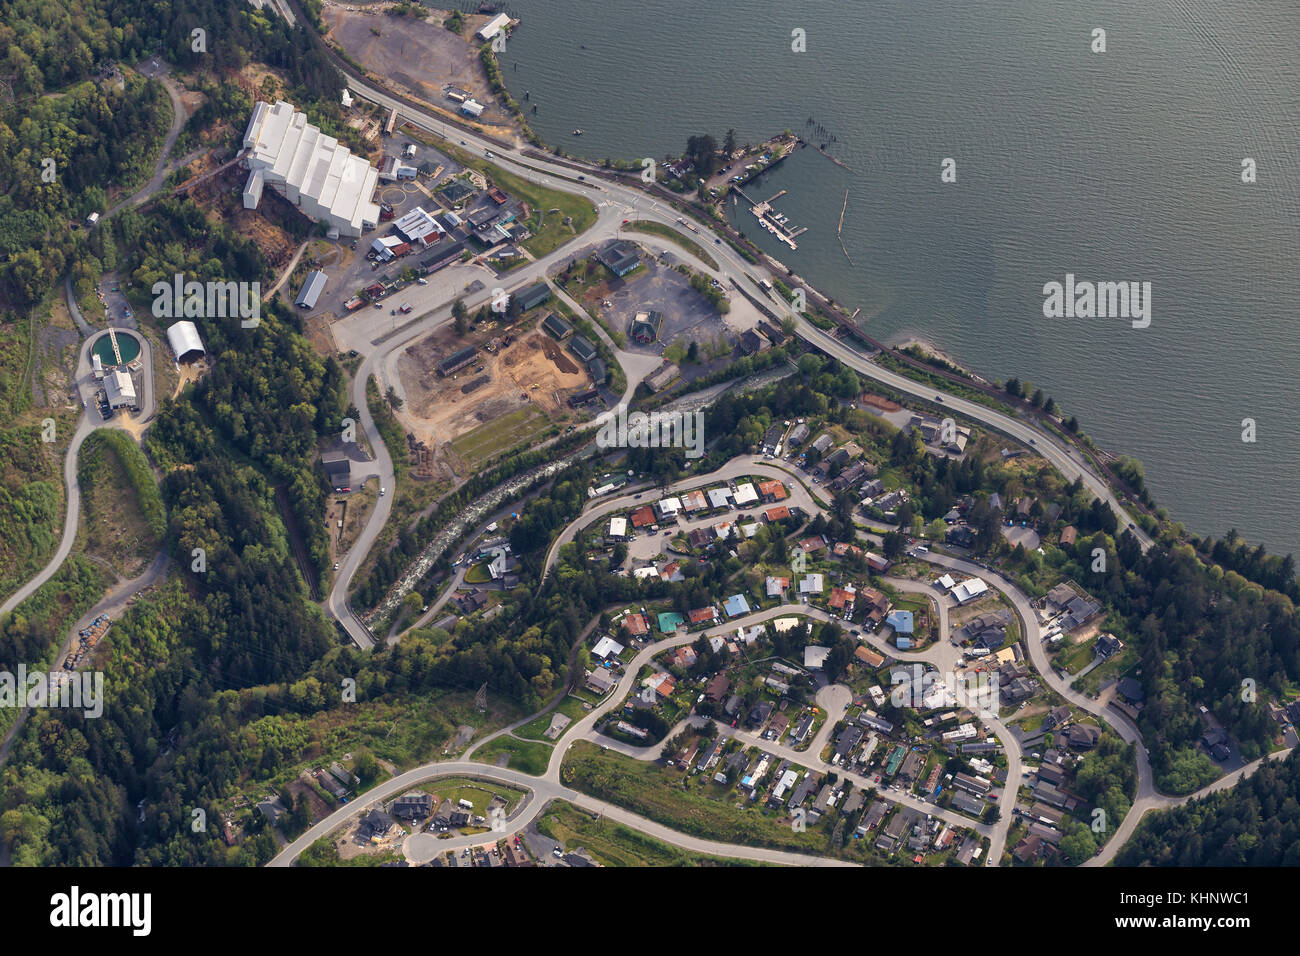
(311, 170)
(417, 226)
(494, 26)
(184, 339)
(120, 389)
(472, 108)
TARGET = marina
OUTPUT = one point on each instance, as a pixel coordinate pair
(778, 224)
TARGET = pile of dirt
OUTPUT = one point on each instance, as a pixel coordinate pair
(555, 354)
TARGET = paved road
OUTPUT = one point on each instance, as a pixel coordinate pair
(160, 171)
(736, 468)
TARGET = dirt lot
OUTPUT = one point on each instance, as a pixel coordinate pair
(437, 411)
(214, 197)
(417, 57)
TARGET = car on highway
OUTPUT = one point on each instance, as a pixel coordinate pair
(938, 398)
(582, 179)
(626, 221)
(718, 241)
(336, 565)
(1033, 441)
(488, 154)
(382, 492)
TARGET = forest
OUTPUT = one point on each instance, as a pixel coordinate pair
(1256, 823)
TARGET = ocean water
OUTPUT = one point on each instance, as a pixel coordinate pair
(1117, 166)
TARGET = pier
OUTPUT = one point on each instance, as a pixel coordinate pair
(778, 224)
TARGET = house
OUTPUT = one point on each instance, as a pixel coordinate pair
(607, 647)
(847, 740)
(969, 590)
(814, 657)
(976, 785)
(1069, 535)
(875, 813)
(822, 442)
(802, 729)
(645, 326)
(912, 765)
(703, 616)
(582, 349)
(842, 549)
(772, 491)
(620, 258)
(601, 680)
(1028, 849)
(693, 501)
(1108, 645)
(746, 495)
(736, 605)
(1051, 773)
(772, 515)
(412, 806)
(811, 584)
(717, 688)
(900, 621)
(618, 528)
(1082, 736)
(967, 803)
(669, 621)
(813, 544)
(1056, 717)
(556, 327)
(797, 435)
(668, 508)
(842, 599)
(759, 713)
(683, 656)
(642, 517)
(700, 538)
(376, 826)
(868, 657)
(776, 587)
(719, 497)
(636, 625)
(875, 604)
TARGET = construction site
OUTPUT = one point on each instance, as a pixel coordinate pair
(527, 378)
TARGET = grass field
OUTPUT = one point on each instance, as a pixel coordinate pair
(477, 792)
(570, 707)
(499, 435)
(525, 756)
(672, 235)
(613, 844)
(704, 810)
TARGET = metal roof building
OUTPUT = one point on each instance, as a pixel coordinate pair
(184, 339)
(311, 290)
(120, 389)
(322, 178)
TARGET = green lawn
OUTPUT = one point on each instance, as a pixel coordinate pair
(477, 792)
(613, 844)
(704, 810)
(570, 707)
(492, 438)
(525, 756)
(672, 235)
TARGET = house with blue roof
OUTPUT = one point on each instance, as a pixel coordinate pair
(900, 621)
(736, 605)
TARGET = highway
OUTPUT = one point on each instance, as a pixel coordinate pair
(613, 203)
